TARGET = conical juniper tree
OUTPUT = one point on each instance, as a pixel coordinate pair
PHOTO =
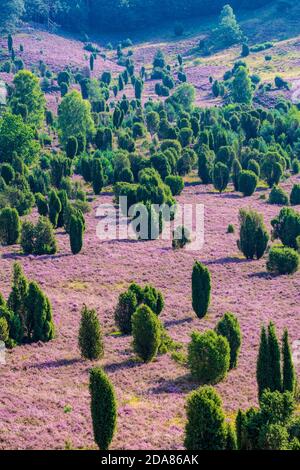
(263, 363)
(76, 234)
(288, 370)
(90, 338)
(274, 361)
(201, 289)
(17, 300)
(103, 408)
(39, 322)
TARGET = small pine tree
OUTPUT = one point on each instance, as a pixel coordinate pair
(220, 176)
(263, 363)
(97, 176)
(10, 43)
(126, 307)
(54, 208)
(103, 408)
(90, 338)
(274, 354)
(146, 330)
(72, 147)
(17, 300)
(76, 234)
(92, 60)
(10, 226)
(39, 322)
(201, 289)
(206, 427)
(288, 370)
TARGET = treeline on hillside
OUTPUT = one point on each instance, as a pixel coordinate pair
(109, 15)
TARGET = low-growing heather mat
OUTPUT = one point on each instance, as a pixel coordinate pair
(44, 399)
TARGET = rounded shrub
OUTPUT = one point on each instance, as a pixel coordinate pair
(72, 147)
(286, 227)
(103, 408)
(146, 330)
(208, 357)
(254, 237)
(254, 166)
(201, 289)
(295, 195)
(42, 204)
(175, 183)
(206, 427)
(248, 181)
(90, 338)
(296, 166)
(220, 176)
(229, 327)
(278, 196)
(283, 260)
(54, 208)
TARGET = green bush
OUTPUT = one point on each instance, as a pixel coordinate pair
(229, 327)
(295, 195)
(205, 428)
(38, 239)
(126, 307)
(254, 237)
(39, 321)
(54, 208)
(76, 234)
(72, 147)
(254, 166)
(90, 338)
(103, 408)
(296, 166)
(175, 183)
(201, 289)
(283, 260)
(208, 357)
(220, 176)
(247, 182)
(146, 330)
(278, 196)
(230, 228)
(286, 227)
(42, 204)
(10, 226)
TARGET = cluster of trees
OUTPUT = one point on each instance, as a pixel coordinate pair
(27, 314)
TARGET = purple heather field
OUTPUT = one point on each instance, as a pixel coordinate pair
(45, 399)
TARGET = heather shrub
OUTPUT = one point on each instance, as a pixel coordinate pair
(126, 307)
(146, 330)
(90, 338)
(254, 237)
(10, 226)
(229, 327)
(76, 234)
(295, 195)
(205, 428)
(175, 183)
(283, 260)
(208, 357)
(248, 181)
(201, 289)
(286, 227)
(278, 196)
(103, 408)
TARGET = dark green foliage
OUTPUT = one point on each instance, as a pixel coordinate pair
(4, 330)
(103, 138)
(138, 89)
(283, 260)
(288, 370)
(90, 338)
(176, 184)
(16, 302)
(126, 307)
(286, 227)
(103, 408)
(201, 289)
(208, 357)
(295, 195)
(39, 322)
(245, 50)
(236, 170)
(10, 226)
(76, 234)
(206, 428)
(230, 228)
(220, 176)
(278, 196)
(229, 327)
(231, 441)
(248, 181)
(42, 204)
(263, 363)
(7, 172)
(254, 237)
(97, 176)
(272, 168)
(242, 87)
(254, 166)
(205, 164)
(71, 147)
(146, 330)
(274, 437)
(55, 208)
(275, 382)
(296, 166)
(38, 239)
